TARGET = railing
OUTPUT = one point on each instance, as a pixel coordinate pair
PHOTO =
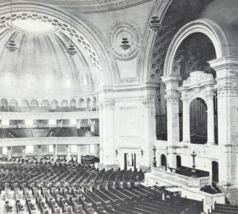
(180, 179)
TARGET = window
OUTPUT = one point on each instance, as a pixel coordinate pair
(4, 150)
(51, 148)
(73, 148)
(29, 149)
(91, 149)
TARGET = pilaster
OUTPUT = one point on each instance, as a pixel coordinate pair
(227, 95)
(172, 98)
(79, 153)
(39, 151)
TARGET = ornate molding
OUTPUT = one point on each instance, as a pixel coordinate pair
(122, 29)
(172, 98)
(149, 103)
(209, 95)
(108, 105)
(228, 89)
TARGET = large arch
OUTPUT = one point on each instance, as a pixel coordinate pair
(204, 26)
(80, 26)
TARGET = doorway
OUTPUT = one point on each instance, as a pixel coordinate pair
(164, 161)
(130, 161)
(179, 161)
(215, 172)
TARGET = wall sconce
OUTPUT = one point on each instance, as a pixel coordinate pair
(116, 152)
(142, 153)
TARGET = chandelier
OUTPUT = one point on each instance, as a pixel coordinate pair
(11, 46)
(124, 44)
(71, 49)
(155, 24)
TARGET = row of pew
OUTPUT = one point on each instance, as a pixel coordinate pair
(82, 189)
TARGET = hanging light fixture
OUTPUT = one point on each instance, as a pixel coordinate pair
(125, 42)
(71, 49)
(155, 24)
(11, 46)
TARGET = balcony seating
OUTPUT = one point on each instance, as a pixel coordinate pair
(224, 209)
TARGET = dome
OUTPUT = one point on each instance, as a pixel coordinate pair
(41, 66)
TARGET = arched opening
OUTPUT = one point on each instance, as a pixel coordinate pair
(178, 161)
(4, 105)
(73, 103)
(64, 103)
(34, 103)
(13, 104)
(54, 104)
(81, 103)
(88, 103)
(215, 172)
(24, 103)
(164, 161)
(45, 103)
(198, 121)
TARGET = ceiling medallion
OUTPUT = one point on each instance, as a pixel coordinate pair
(155, 24)
(124, 39)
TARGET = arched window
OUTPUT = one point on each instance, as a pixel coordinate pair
(81, 103)
(64, 103)
(45, 103)
(72, 103)
(24, 103)
(13, 103)
(34, 103)
(164, 161)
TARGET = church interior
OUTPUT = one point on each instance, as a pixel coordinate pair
(118, 106)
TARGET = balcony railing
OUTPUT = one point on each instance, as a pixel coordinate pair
(180, 179)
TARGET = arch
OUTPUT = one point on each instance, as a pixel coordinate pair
(45, 103)
(4, 103)
(163, 161)
(54, 104)
(72, 103)
(64, 103)
(81, 103)
(204, 26)
(24, 103)
(13, 103)
(94, 102)
(34, 103)
(198, 121)
(88, 103)
(82, 28)
(215, 171)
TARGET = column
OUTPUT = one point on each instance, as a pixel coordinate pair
(79, 153)
(39, 151)
(227, 96)
(55, 152)
(23, 151)
(107, 147)
(9, 153)
(210, 118)
(92, 126)
(78, 124)
(68, 153)
(149, 130)
(186, 118)
(172, 98)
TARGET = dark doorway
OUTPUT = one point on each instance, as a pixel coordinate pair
(215, 172)
(164, 161)
(134, 162)
(125, 161)
(179, 161)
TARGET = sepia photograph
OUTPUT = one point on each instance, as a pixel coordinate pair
(118, 106)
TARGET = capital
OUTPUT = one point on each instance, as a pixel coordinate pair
(107, 105)
(149, 103)
(172, 98)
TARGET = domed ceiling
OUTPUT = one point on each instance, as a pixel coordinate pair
(41, 65)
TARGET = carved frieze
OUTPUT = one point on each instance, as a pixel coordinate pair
(108, 105)
(228, 89)
(172, 98)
